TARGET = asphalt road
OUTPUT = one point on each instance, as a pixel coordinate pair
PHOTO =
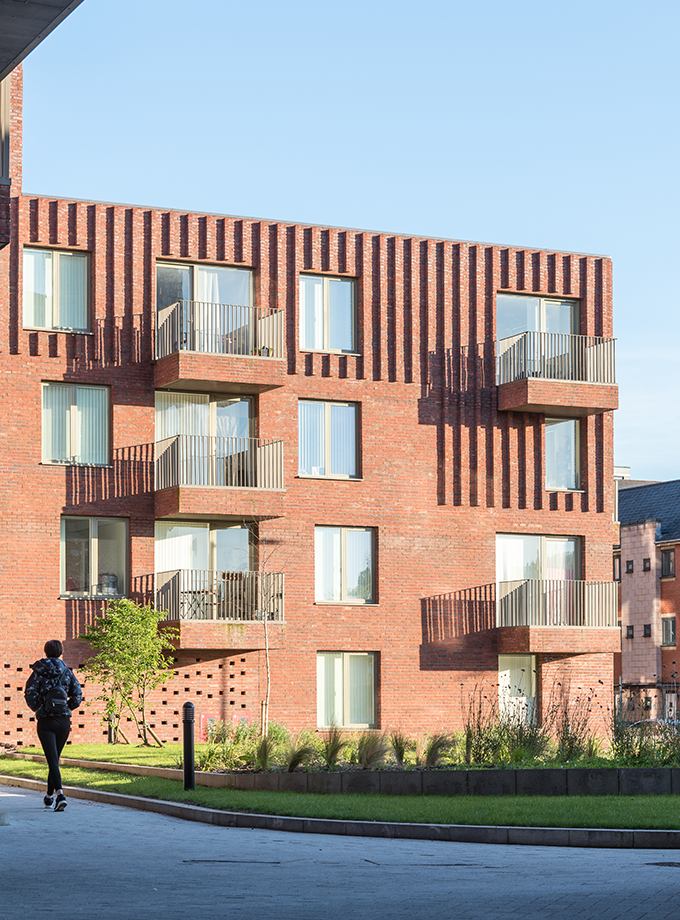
(103, 862)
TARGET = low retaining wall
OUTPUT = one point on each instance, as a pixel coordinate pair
(550, 781)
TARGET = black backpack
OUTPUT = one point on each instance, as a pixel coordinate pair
(55, 701)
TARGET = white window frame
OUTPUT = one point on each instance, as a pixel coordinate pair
(344, 599)
(72, 426)
(94, 556)
(346, 690)
(325, 347)
(56, 260)
(577, 454)
(574, 302)
(668, 634)
(327, 440)
(194, 268)
(668, 563)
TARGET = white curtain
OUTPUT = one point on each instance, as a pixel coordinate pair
(182, 546)
(311, 438)
(341, 315)
(56, 428)
(92, 425)
(329, 689)
(73, 276)
(311, 313)
(328, 563)
(518, 557)
(361, 689)
(181, 413)
(561, 558)
(38, 289)
(343, 440)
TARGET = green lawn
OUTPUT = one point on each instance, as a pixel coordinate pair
(649, 812)
(169, 755)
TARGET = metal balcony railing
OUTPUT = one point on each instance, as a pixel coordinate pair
(554, 602)
(553, 356)
(200, 460)
(193, 594)
(219, 329)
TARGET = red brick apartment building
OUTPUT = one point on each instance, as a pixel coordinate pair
(647, 672)
(394, 452)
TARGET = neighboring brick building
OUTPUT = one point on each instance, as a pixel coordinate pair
(647, 670)
(341, 450)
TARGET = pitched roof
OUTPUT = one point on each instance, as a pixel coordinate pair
(659, 501)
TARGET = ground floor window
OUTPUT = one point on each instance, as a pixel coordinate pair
(346, 689)
(517, 687)
(668, 631)
(94, 556)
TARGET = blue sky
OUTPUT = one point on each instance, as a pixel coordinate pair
(527, 123)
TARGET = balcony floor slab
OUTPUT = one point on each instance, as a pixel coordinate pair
(242, 374)
(208, 503)
(574, 640)
(557, 397)
(227, 636)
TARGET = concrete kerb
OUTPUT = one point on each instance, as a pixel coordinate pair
(472, 833)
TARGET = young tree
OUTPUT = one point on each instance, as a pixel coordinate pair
(130, 661)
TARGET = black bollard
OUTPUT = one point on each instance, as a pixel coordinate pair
(188, 721)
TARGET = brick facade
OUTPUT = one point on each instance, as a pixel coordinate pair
(443, 470)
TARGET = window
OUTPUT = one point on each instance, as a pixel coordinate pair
(56, 290)
(327, 314)
(327, 439)
(630, 632)
(517, 313)
(667, 563)
(520, 556)
(647, 631)
(94, 556)
(668, 630)
(647, 565)
(75, 424)
(562, 453)
(344, 565)
(617, 568)
(630, 568)
(200, 546)
(210, 284)
(517, 687)
(346, 689)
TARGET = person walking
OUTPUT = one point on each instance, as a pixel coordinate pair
(52, 691)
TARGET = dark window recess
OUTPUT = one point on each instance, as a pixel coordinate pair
(647, 630)
(646, 565)
(629, 567)
(617, 568)
(667, 563)
(648, 702)
(630, 632)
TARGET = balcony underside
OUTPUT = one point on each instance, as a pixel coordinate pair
(227, 637)
(572, 640)
(557, 397)
(218, 504)
(244, 374)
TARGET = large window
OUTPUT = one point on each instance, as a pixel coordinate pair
(517, 687)
(522, 556)
(346, 689)
(667, 563)
(668, 630)
(344, 565)
(562, 452)
(75, 424)
(200, 546)
(215, 284)
(517, 313)
(327, 439)
(56, 290)
(94, 556)
(327, 314)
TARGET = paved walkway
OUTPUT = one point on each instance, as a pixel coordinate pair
(102, 862)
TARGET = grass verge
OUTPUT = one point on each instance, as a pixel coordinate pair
(658, 812)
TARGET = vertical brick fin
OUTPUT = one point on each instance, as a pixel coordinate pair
(539, 472)
(350, 262)
(4, 215)
(522, 460)
(398, 343)
(598, 431)
(15, 260)
(445, 298)
(380, 309)
(437, 371)
(129, 348)
(325, 255)
(461, 362)
(53, 210)
(292, 299)
(220, 235)
(166, 248)
(607, 295)
(308, 262)
(408, 310)
(452, 351)
(72, 223)
(34, 219)
(504, 279)
(567, 275)
(269, 294)
(238, 241)
(598, 297)
(587, 473)
(342, 251)
(363, 297)
(536, 279)
(202, 237)
(551, 260)
(585, 293)
(520, 275)
(472, 387)
(149, 287)
(254, 256)
(184, 235)
(424, 330)
(391, 309)
(494, 273)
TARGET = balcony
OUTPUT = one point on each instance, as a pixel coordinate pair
(223, 610)
(556, 374)
(199, 474)
(206, 345)
(554, 615)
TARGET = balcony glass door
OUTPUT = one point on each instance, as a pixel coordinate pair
(234, 460)
(547, 351)
(535, 576)
(517, 687)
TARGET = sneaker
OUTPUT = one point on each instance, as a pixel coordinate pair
(60, 802)
(48, 801)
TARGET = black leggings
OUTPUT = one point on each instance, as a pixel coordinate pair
(53, 732)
